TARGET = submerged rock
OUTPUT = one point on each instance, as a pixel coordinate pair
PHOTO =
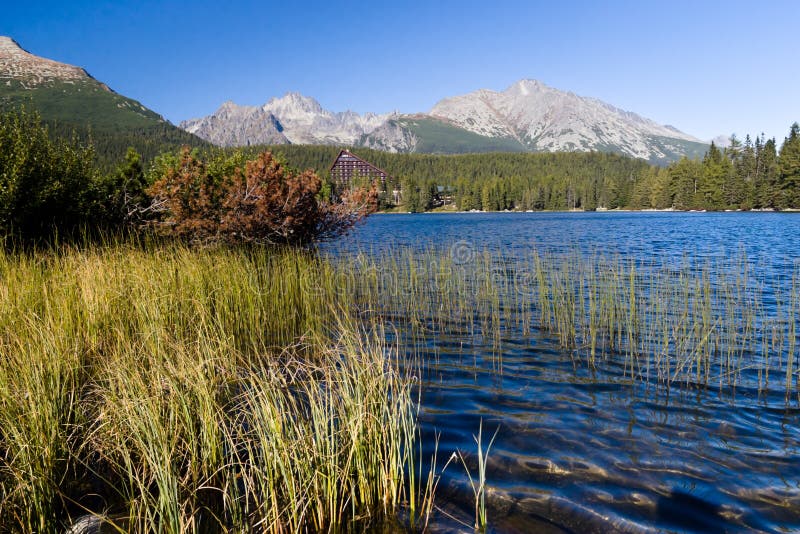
(91, 524)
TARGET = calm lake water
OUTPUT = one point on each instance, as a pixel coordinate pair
(588, 450)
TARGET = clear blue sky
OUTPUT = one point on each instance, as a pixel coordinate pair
(706, 67)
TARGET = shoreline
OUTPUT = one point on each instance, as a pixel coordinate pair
(648, 210)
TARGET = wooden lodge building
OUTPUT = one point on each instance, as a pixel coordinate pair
(348, 167)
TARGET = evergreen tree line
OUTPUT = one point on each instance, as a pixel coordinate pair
(745, 175)
(497, 181)
(111, 145)
(53, 180)
(753, 174)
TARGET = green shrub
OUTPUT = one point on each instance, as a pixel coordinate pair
(45, 184)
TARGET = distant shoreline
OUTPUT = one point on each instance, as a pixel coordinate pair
(649, 210)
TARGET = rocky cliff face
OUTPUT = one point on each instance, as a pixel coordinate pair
(546, 119)
(20, 66)
(305, 122)
(293, 118)
(528, 116)
(233, 125)
(391, 136)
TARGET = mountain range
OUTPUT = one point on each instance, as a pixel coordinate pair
(529, 116)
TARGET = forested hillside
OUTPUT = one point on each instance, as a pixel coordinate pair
(111, 144)
(496, 181)
(73, 103)
(753, 174)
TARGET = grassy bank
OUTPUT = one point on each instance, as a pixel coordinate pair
(173, 390)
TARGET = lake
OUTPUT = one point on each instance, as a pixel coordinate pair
(586, 448)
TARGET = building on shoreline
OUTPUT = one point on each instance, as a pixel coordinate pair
(348, 168)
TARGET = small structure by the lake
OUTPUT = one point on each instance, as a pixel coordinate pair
(348, 168)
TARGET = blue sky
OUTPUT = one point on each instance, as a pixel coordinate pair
(708, 68)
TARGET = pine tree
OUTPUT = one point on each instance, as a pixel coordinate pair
(767, 161)
(641, 196)
(685, 177)
(746, 174)
(410, 196)
(734, 147)
(661, 196)
(713, 181)
(734, 187)
(790, 167)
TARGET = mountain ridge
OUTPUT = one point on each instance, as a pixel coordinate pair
(298, 119)
(528, 116)
(17, 64)
(46, 83)
(70, 100)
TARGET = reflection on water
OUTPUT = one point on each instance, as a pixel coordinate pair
(583, 449)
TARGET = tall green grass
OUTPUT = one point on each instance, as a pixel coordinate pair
(165, 389)
(168, 389)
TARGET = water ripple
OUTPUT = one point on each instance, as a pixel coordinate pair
(583, 449)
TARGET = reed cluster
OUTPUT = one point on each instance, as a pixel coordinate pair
(165, 389)
(168, 389)
(701, 322)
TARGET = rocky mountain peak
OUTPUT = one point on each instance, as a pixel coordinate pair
(526, 87)
(7, 43)
(230, 109)
(292, 118)
(527, 116)
(235, 125)
(542, 118)
(229, 105)
(293, 104)
(31, 70)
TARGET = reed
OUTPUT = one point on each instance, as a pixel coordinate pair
(165, 389)
(478, 483)
(178, 390)
(668, 321)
